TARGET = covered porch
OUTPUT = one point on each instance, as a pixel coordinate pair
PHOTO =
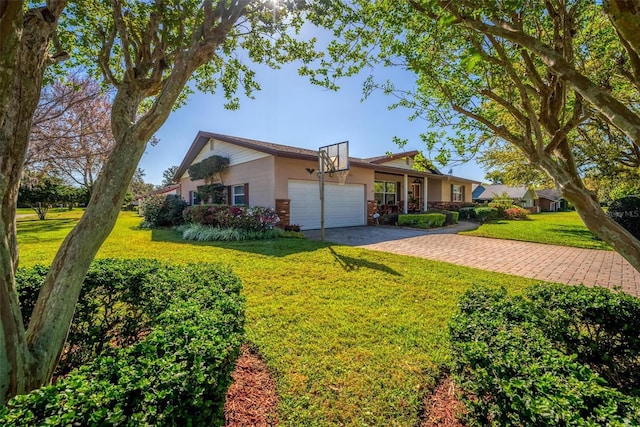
(415, 191)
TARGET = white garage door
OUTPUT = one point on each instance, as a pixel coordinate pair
(344, 204)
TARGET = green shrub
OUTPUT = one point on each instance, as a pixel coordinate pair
(517, 361)
(484, 214)
(178, 367)
(599, 326)
(162, 211)
(207, 233)
(626, 212)
(428, 220)
(501, 202)
(450, 217)
(466, 214)
(389, 219)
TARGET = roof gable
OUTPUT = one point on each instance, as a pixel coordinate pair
(497, 190)
(403, 160)
(549, 194)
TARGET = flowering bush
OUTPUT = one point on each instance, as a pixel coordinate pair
(516, 212)
(162, 210)
(250, 218)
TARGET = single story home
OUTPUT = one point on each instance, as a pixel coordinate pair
(521, 196)
(285, 178)
(550, 200)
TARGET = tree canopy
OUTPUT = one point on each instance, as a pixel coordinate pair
(542, 76)
(151, 55)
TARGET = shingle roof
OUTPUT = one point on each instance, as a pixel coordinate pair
(202, 138)
(550, 194)
(492, 191)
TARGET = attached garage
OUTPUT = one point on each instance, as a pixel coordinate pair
(344, 204)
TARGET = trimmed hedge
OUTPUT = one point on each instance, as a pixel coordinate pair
(451, 217)
(454, 216)
(167, 337)
(428, 220)
(561, 356)
(484, 214)
(467, 213)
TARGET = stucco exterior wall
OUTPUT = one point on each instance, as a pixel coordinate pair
(434, 190)
(442, 190)
(259, 174)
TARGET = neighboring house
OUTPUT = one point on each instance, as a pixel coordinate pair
(172, 189)
(166, 191)
(550, 200)
(521, 196)
(285, 178)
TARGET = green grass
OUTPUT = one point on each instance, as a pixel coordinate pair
(554, 228)
(353, 337)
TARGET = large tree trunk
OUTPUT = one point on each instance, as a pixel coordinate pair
(53, 312)
(54, 309)
(591, 213)
(29, 359)
(22, 80)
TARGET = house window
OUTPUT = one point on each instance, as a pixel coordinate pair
(457, 193)
(385, 192)
(239, 195)
(194, 198)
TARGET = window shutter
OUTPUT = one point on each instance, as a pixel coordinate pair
(462, 190)
(246, 194)
(190, 197)
(229, 195)
(451, 195)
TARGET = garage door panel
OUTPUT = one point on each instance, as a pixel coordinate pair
(344, 205)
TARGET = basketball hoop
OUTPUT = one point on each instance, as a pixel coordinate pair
(342, 176)
(332, 159)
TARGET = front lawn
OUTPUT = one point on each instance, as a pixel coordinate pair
(554, 228)
(353, 337)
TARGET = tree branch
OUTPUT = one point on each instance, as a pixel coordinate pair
(615, 111)
(524, 97)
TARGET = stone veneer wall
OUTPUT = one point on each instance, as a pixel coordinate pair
(283, 210)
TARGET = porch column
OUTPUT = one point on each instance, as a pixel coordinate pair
(405, 194)
(424, 194)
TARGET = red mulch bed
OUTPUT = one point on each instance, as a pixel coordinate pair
(251, 399)
(442, 408)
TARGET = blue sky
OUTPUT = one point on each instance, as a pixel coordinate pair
(289, 110)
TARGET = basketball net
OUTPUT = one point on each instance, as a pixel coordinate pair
(342, 176)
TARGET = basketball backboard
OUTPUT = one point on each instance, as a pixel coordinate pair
(334, 158)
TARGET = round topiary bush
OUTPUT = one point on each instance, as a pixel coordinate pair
(626, 212)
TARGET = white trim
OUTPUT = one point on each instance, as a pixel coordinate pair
(405, 201)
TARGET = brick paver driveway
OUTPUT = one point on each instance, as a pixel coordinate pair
(534, 260)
